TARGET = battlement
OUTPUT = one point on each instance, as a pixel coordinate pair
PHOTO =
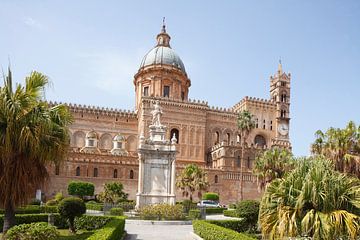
(253, 100)
(78, 108)
(190, 103)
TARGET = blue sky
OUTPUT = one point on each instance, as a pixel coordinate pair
(92, 49)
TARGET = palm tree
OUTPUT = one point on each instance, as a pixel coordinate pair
(245, 124)
(191, 179)
(313, 200)
(32, 134)
(342, 146)
(272, 164)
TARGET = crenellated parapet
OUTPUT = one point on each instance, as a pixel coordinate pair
(165, 101)
(96, 110)
(257, 102)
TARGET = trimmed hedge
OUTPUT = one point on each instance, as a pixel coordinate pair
(91, 222)
(215, 210)
(32, 231)
(211, 196)
(231, 213)
(34, 209)
(96, 206)
(30, 218)
(209, 231)
(113, 230)
(194, 214)
(236, 225)
(116, 211)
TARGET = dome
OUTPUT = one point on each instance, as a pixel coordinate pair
(163, 55)
(119, 138)
(92, 134)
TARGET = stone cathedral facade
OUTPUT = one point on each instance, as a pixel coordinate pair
(104, 142)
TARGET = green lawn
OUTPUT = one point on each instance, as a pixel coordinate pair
(81, 234)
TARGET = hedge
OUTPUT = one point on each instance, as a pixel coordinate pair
(34, 209)
(91, 222)
(231, 213)
(211, 196)
(194, 214)
(113, 230)
(209, 231)
(116, 211)
(96, 206)
(237, 225)
(215, 210)
(30, 218)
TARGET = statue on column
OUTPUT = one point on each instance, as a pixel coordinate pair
(156, 114)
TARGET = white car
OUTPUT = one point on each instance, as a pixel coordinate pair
(208, 203)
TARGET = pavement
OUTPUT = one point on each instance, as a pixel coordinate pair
(158, 232)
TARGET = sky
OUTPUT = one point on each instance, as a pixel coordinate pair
(92, 49)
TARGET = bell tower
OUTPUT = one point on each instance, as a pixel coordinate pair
(280, 95)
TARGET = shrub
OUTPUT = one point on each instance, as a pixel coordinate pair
(52, 202)
(236, 225)
(113, 230)
(50, 209)
(231, 213)
(211, 196)
(70, 208)
(32, 231)
(31, 218)
(35, 201)
(97, 207)
(249, 209)
(209, 231)
(194, 214)
(188, 205)
(91, 222)
(59, 196)
(30, 209)
(232, 205)
(81, 189)
(127, 205)
(116, 211)
(113, 193)
(214, 210)
(92, 202)
(162, 212)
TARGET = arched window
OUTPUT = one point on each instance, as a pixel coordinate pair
(216, 179)
(131, 176)
(228, 138)
(115, 173)
(283, 97)
(260, 141)
(77, 171)
(57, 169)
(238, 162)
(176, 132)
(264, 122)
(256, 123)
(270, 125)
(238, 138)
(217, 137)
(248, 163)
(283, 113)
(96, 172)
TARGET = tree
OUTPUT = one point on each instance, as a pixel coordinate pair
(342, 146)
(113, 193)
(245, 124)
(191, 179)
(81, 189)
(312, 200)
(272, 164)
(32, 134)
(71, 207)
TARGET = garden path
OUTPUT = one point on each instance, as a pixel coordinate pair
(136, 231)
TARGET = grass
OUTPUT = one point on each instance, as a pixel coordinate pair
(80, 234)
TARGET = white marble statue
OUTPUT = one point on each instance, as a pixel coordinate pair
(156, 113)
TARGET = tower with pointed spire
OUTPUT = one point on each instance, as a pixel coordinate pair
(280, 95)
(162, 72)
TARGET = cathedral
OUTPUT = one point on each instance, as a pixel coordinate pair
(104, 142)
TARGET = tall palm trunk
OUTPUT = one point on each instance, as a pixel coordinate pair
(9, 218)
(241, 171)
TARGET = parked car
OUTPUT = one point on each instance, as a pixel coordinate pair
(208, 203)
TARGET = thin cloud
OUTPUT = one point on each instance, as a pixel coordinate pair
(29, 21)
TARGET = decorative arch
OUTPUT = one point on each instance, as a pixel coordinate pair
(115, 173)
(131, 174)
(216, 179)
(77, 171)
(176, 132)
(78, 139)
(260, 140)
(96, 172)
(105, 141)
(131, 143)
